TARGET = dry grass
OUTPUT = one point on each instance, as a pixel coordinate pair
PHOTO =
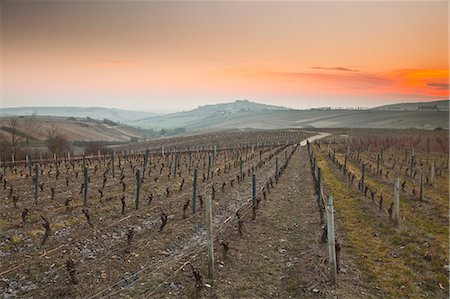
(404, 261)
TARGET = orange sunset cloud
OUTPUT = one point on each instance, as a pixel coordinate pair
(430, 83)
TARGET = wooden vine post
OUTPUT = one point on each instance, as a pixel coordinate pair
(145, 162)
(85, 191)
(378, 165)
(421, 184)
(362, 176)
(190, 160)
(319, 194)
(36, 184)
(240, 168)
(112, 165)
(29, 165)
(209, 167)
(175, 166)
(254, 191)
(432, 173)
(396, 210)
(345, 164)
(209, 238)
(84, 161)
(4, 166)
(276, 170)
(331, 241)
(138, 187)
(194, 190)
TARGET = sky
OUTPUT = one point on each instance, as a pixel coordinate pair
(176, 55)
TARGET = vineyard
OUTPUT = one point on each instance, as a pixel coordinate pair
(231, 214)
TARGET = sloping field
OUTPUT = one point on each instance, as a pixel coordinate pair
(73, 129)
(302, 119)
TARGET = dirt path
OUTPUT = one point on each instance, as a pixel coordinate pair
(280, 254)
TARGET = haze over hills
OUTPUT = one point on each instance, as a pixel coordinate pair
(207, 114)
(435, 105)
(245, 114)
(232, 115)
(100, 113)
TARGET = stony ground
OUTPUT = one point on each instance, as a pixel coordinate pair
(280, 254)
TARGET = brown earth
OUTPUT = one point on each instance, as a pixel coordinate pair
(280, 254)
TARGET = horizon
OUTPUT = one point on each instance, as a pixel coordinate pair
(177, 56)
(162, 112)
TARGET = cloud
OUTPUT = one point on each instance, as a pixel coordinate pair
(418, 82)
(439, 86)
(338, 68)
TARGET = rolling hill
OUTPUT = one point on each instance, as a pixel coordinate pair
(206, 115)
(244, 114)
(117, 115)
(418, 106)
(75, 129)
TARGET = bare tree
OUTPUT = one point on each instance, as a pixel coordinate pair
(31, 125)
(57, 142)
(5, 144)
(15, 136)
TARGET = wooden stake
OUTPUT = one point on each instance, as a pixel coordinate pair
(85, 193)
(112, 165)
(345, 164)
(138, 187)
(432, 172)
(209, 238)
(194, 192)
(421, 184)
(331, 241)
(276, 170)
(319, 195)
(240, 168)
(36, 185)
(396, 212)
(254, 190)
(209, 167)
(362, 177)
(378, 165)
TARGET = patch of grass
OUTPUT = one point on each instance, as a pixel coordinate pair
(391, 275)
(15, 239)
(415, 233)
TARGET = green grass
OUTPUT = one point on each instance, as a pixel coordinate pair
(373, 240)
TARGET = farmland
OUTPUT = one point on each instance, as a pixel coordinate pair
(132, 223)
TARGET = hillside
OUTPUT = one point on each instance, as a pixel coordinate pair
(206, 114)
(435, 105)
(83, 112)
(224, 116)
(75, 129)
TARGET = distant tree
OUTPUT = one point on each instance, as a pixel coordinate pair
(5, 145)
(31, 125)
(93, 147)
(57, 142)
(16, 137)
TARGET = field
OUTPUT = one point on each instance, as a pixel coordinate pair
(74, 129)
(132, 224)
